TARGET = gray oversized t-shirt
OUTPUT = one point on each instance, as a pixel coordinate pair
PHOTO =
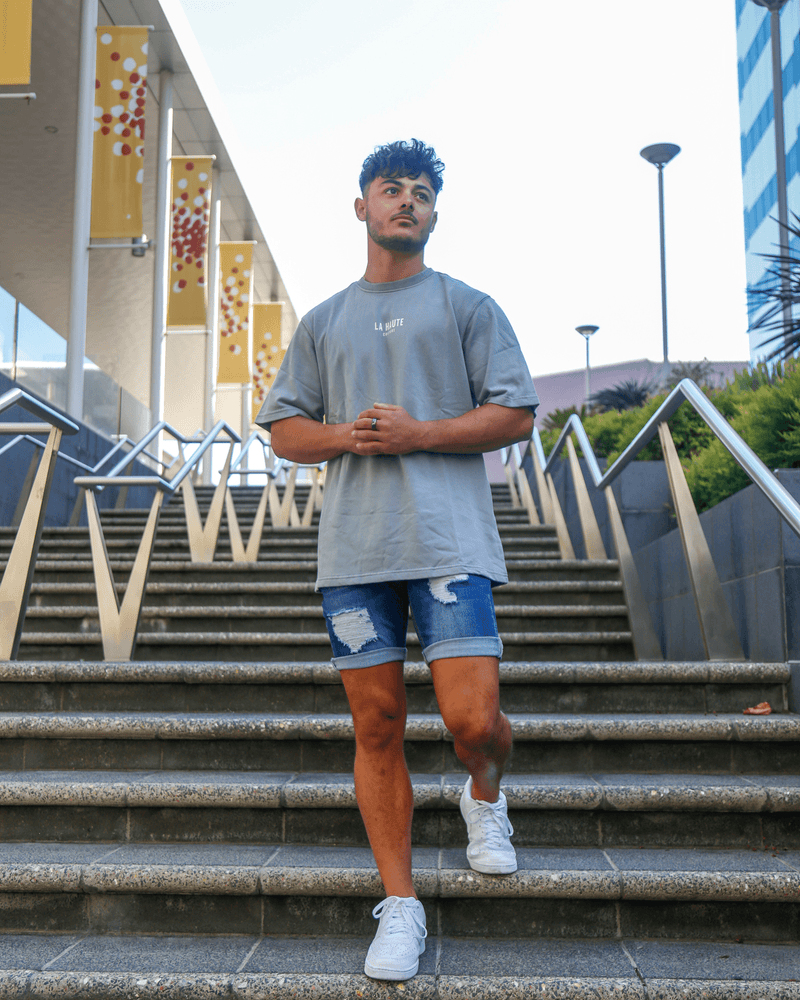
(438, 348)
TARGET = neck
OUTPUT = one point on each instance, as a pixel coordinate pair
(388, 265)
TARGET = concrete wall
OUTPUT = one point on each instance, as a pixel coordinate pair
(642, 494)
(756, 554)
(87, 446)
(757, 557)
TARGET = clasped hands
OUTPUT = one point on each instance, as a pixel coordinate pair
(396, 431)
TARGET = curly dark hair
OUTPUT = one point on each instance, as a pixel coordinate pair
(402, 159)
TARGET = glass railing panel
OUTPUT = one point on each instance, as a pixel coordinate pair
(134, 417)
(41, 358)
(7, 306)
(100, 400)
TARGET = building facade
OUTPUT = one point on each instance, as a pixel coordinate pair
(39, 137)
(757, 120)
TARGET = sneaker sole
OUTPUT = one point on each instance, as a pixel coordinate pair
(508, 869)
(393, 974)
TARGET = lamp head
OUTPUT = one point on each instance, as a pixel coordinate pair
(660, 154)
(771, 5)
(587, 330)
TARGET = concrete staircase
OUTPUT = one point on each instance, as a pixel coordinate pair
(185, 825)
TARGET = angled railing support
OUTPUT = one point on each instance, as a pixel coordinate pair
(239, 552)
(645, 641)
(203, 538)
(717, 628)
(27, 486)
(564, 543)
(287, 511)
(75, 516)
(119, 623)
(548, 515)
(592, 538)
(15, 587)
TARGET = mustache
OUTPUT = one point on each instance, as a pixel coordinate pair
(405, 215)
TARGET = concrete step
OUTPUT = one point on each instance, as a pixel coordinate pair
(263, 593)
(300, 646)
(557, 892)
(96, 966)
(316, 741)
(302, 570)
(525, 687)
(310, 619)
(754, 812)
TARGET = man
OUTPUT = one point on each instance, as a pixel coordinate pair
(416, 375)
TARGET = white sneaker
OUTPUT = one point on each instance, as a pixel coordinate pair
(490, 849)
(400, 940)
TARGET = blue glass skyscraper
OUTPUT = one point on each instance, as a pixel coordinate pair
(757, 119)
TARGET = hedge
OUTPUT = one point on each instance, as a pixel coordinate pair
(762, 405)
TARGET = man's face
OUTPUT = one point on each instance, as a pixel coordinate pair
(399, 212)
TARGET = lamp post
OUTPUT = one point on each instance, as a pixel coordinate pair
(774, 8)
(659, 155)
(586, 332)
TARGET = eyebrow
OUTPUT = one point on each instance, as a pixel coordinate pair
(417, 186)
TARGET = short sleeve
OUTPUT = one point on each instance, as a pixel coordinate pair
(297, 389)
(496, 367)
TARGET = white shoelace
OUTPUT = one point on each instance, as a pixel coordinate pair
(400, 917)
(494, 826)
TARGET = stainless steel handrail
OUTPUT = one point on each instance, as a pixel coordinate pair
(28, 484)
(718, 630)
(119, 623)
(685, 391)
(283, 512)
(15, 587)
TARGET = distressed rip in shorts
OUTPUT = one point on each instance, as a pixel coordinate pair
(454, 616)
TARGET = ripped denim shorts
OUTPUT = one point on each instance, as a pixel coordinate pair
(454, 616)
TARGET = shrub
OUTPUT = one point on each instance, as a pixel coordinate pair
(763, 406)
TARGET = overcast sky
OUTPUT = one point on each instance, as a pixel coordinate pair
(539, 111)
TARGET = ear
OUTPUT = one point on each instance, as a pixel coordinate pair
(435, 220)
(361, 209)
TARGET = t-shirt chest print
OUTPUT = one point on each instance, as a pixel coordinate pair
(389, 326)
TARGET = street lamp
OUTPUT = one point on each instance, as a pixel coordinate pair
(586, 332)
(774, 8)
(659, 155)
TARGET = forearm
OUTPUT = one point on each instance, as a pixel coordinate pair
(486, 428)
(299, 439)
(386, 429)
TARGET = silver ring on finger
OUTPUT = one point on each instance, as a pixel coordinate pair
(374, 424)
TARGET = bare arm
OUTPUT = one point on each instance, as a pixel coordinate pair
(300, 439)
(486, 428)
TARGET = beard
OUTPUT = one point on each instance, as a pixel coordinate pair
(398, 243)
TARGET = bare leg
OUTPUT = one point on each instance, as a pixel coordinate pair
(468, 692)
(385, 798)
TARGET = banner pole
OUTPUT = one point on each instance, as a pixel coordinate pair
(81, 212)
(162, 240)
(212, 320)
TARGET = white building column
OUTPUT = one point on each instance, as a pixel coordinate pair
(162, 240)
(82, 210)
(212, 319)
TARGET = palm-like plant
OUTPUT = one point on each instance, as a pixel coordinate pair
(780, 288)
(624, 396)
(556, 420)
(700, 372)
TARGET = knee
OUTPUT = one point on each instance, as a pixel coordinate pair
(380, 726)
(474, 727)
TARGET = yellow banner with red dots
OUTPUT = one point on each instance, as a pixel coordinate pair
(191, 200)
(16, 24)
(267, 351)
(235, 295)
(119, 113)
